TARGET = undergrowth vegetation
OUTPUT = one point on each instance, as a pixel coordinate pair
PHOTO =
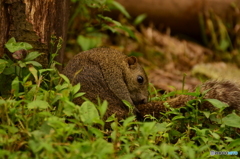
(39, 120)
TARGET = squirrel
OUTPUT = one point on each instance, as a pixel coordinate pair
(224, 91)
(110, 75)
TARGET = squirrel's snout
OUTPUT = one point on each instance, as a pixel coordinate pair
(142, 101)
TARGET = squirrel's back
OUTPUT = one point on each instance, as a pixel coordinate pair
(109, 75)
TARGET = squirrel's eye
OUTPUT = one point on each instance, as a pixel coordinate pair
(140, 79)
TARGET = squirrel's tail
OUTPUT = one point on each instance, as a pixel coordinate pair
(224, 91)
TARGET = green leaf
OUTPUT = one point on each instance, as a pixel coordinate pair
(206, 113)
(224, 44)
(45, 70)
(128, 121)
(10, 129)
(216, 103)
(88, 113)
(121, 9)
(34, 63)
(161, 127)
(32, 55)
(215, 135)
(64, 78)
(76, 88)
(147, 127)
(3, 64)
(139, 19)
(21, 64)
(111, 118)
(234, 143)
(38, 104)
(78, 95)
(13, 46)
(130, 107)
(108, 19)
(177, 117)
(9, 70)
(69, 108)
(232, 120)
(15, 86)
(34, 72)
(103, 108)
(87, 43)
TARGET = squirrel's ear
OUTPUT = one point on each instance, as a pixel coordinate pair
(132, 61)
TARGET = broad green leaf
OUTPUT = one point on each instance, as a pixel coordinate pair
(31, 56)
(87, 43)
(234, 143)
(161, 127)
(9, 70)
(217, 103)
(11, 40)
(76, 88)
(88, 113)
(103, 148)
(69, 108)
(206, 113)
(13, 46)
(232, 120)
(40, 104)
(34, 72)
(103, 108)
(147, 127)
(128, 121)
(10, 129)
(61, 87)
(3, 64)
(96, 131)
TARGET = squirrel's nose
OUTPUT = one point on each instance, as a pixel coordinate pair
(143, 101)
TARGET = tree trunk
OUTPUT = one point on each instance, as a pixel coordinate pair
(34, 21)
(181, 15)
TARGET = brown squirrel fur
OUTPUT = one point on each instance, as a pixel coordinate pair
(110, 75)
(225, 91)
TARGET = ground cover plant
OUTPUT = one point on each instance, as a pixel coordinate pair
(39, 120)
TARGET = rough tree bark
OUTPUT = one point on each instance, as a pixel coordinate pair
(34, 21)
